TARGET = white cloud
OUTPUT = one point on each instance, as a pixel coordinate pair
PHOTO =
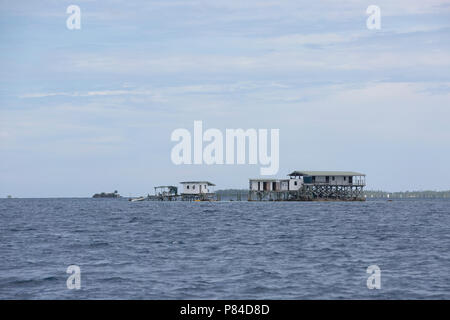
(160, 93)
(91, 94)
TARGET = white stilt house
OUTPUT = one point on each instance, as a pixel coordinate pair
(310, 185)
(197, 188)
(268, 184)
(274, 184)
(342, 178)
(270, 189)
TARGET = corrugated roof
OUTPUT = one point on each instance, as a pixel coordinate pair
(325, 173)
(198, 182)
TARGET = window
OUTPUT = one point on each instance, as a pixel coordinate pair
(187, 187)
(345, 178)
(333, 178)
(193, 187)
(295, 183)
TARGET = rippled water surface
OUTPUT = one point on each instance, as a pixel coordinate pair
(229, 250)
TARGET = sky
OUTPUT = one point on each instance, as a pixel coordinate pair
(92, 110)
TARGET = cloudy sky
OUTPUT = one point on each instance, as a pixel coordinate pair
(90, 110)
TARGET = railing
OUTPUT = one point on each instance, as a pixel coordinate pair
(335, 183)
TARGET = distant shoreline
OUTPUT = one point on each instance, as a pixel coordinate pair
(375, 194)
(232, 193)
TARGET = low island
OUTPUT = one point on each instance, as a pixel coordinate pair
(114, 194)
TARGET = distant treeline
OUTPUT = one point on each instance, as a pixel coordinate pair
(232, 194)
(243, 194)
(407, 194)
(114, 194)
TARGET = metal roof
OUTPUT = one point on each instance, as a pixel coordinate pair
(198, 182)
(325, 173)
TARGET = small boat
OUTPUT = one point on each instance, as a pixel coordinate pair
(138, 199)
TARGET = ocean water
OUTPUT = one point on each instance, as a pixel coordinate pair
(224, 250)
